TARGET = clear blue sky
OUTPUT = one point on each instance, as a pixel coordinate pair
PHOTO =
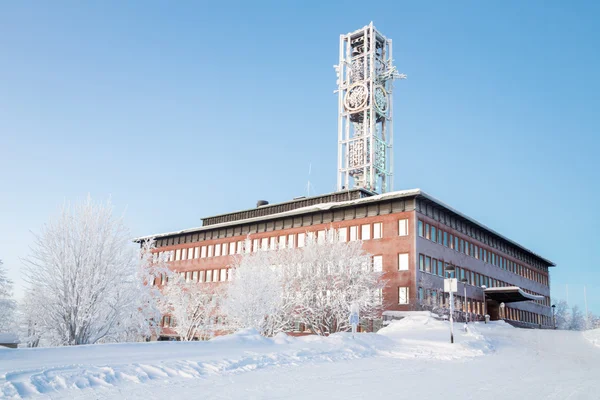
(179, 110)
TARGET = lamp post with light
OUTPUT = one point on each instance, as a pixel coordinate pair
(464, 281)
(484, 305)
(450, 286)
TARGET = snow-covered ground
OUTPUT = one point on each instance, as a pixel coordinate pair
(409, 357)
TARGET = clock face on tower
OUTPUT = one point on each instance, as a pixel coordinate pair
(356, 97)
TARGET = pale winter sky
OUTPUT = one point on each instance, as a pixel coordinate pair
(182, 110)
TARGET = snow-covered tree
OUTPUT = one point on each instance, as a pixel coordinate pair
(256, 296)
(577, 320)
(7, 304)
(142, 320)
(193, 307)
(328, 277)
(84, 278)
(562, 315)
(314, 285)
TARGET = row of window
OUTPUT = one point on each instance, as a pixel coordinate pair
(514, 314)
(402, 262)
(469, 229)
(464, 246)
(169, 321)
(203, 276)
(438, 267)
(352, 233)
(434, 297)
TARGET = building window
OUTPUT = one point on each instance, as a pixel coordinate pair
(291, 241)
(218, 250)
(377, 230)
(203, 252)
(264, 244)
(223, 275)
(197, 252)
(273, 243)
(365, 232)
(403, 227)
(188, 276)
(440, 268)
(201, 276)
(321, 237)
(240, 247)
(255, 244)
(421, 262)
(209, 275)
(403, 295)
(342, 234)
(403, 262)
(282, 242)
(195, 276)
(224, 247)
(183, 254)
(215, 275)
(231, 248)
(301, 239)
(427, 231)
(378, 263)
(420, 228)
(433, 235)
(211, 249)
(353, 233)
(445, 238)
(427, 264)
(177, 254)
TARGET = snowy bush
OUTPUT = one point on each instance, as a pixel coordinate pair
(193, 308)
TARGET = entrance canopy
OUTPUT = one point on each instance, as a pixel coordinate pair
(510, 294)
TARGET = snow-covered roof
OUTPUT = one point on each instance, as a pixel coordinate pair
(339, 204)
(514, 290)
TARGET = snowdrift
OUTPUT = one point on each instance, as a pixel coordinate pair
(59, 371)
(593, 336)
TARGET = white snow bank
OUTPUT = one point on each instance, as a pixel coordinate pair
(593, 336)
(420, 335)
(60, 371)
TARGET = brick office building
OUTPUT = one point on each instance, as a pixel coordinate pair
(411, 236)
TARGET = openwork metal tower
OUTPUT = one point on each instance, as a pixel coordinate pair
(365, 77)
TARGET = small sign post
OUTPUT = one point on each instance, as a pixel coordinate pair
(451, 286)
(354, 317)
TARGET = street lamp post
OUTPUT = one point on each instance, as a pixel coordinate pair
(554, 315)
(464, 282)
(450, 269)
(484, 305)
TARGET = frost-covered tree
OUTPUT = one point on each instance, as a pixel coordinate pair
(84, 275)
(328, 277)
(314, 285)
(577, 320)
(142, 320)
(7, 304)
(256, 296)
(562, 315)
(193, 307)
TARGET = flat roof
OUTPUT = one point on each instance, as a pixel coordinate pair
(327, 206)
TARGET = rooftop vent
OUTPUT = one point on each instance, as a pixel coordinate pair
(261, 203)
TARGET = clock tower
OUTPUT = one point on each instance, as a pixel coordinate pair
(365, 75)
